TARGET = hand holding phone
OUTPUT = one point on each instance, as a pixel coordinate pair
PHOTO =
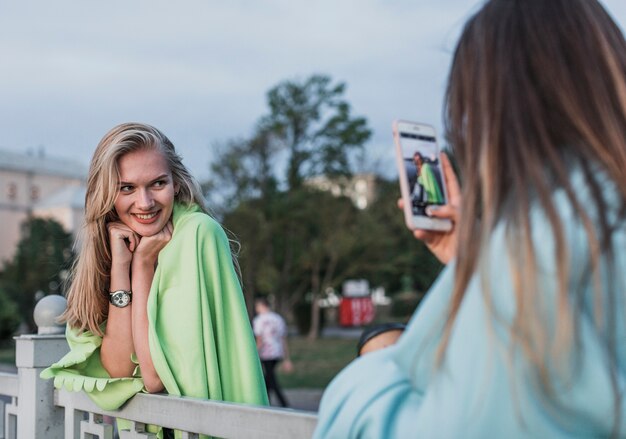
(443, 244)
(430, 220)
(421, 179)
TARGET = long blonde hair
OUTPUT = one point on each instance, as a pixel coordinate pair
(538, 88)
(88, 293)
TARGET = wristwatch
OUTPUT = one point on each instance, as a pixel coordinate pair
(120, 298)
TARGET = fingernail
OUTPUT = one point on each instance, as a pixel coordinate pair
(429, 211)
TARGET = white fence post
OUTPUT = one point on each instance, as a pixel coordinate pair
(37, 415)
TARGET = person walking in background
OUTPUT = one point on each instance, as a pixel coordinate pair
(270, 331)
(523, 335)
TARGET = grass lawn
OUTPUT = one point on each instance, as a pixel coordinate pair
(316, 362)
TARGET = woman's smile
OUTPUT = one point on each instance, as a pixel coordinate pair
(146, 218)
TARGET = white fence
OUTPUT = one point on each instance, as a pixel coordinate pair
(37, 410)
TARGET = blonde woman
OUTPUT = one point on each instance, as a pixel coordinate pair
(154, 303)
(524, 333)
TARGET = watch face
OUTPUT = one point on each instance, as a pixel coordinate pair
(120, 299)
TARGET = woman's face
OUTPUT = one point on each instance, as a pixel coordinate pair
(417, 159)
(145, 197)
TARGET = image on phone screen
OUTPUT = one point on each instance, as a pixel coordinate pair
(423, 170)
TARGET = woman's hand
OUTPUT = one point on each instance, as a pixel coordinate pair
(443, 244)
(149, 247)
(123, 242)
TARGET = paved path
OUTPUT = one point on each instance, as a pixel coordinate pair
(340, 332)
(332, 332)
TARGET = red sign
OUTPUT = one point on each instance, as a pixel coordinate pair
(356, 311)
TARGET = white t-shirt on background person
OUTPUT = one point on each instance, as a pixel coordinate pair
(271, 329)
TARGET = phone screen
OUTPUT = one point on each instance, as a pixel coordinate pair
(420, 155)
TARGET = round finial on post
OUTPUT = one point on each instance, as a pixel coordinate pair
(46, 313)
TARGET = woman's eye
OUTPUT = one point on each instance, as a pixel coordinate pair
(126, 188)
(160, 183)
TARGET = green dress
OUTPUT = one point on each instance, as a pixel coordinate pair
(200, 337)
(428, 180)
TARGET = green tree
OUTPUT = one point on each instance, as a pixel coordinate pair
(244, 170)
(253, 230)
(312, 120)
(332, 243)
(303, 242)
(298, 241)
(309, 126)
(42, 255)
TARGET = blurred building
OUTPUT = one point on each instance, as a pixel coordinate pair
(360, 188)
(38, 185)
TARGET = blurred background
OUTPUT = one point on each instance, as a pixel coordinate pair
(281, 109)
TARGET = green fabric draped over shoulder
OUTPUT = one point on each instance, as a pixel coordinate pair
(81, 369)
(200, 337)
(428, 180)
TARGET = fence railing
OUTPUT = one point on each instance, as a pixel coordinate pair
(32, 408)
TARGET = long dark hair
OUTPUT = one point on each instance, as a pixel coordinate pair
(537, 90)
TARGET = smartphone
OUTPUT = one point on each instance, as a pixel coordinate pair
(420, 174)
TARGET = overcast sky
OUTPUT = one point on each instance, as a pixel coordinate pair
(199, 69)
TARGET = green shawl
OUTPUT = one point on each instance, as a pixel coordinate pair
(428, 180)
(200, 337)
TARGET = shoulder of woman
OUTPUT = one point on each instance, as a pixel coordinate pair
(197, 219)
(192, 217)
(198, 223)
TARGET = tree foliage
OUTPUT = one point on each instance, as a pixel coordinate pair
(243, 171)
(297, 241)
(312, 120)
(43, 255)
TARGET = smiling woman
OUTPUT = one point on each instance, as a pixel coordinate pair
(154, 302)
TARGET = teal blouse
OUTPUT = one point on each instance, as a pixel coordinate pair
(485, 388)
(200, 337)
